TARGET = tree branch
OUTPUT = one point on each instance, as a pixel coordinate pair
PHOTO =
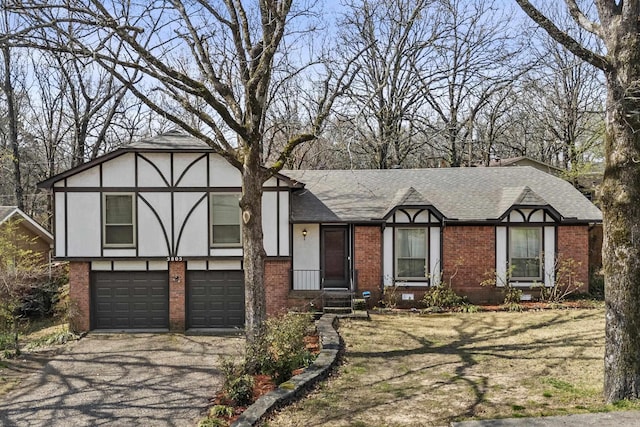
(563, 38)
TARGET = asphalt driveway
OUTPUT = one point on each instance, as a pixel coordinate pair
(122, 380)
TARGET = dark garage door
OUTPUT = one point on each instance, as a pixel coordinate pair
(215, 299)
(130, 299)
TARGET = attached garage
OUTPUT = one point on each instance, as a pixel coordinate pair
(130, 299)
(215, 299)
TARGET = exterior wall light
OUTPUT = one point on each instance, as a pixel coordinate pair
(304, 234)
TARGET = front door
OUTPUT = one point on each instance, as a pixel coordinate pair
(335, 257)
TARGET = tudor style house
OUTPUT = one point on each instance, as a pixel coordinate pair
(152, 233)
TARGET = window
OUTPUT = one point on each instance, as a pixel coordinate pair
(525, 249)
(411, 253)
(119, 229)
(225, 220)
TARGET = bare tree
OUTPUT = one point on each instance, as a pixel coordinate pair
(616, 25)
(7, 72)
(476, 60)
(396, 37)
(216, 61)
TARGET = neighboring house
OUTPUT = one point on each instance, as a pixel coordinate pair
(152, 233)
(527, 161)
(32, 235)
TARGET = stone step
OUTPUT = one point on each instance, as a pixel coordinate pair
(338, 310)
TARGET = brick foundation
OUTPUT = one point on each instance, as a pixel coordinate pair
(177, 307)
(80, 295)
(277, 284)
(368, 261)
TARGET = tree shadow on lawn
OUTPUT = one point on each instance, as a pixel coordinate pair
(474, 341)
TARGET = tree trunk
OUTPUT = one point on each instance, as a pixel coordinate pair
(254, 256)
(621, 211)
(13, 127)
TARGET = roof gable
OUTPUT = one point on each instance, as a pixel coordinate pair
(9, 212)
(170, 142)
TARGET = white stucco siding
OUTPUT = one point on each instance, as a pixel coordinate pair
(537, 216)
(549, 255)
(60, 231)
(306, 257)
(158, 265)
(194, 240)
(284, 223)
(150, 176)
(502, 259)
(119, 171)
(190, 170)
(88, 178)
(271, 182)
(225, 265)
(435, 266)
(84, 228)
(129, 266)
(402, 216)
(108, 252)
(101, 266)
(387, 256)
(223, 252)
(222, 174)
(151, 232)
(423, 216)
(270, 222)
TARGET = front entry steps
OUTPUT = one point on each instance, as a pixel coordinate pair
(337, 301)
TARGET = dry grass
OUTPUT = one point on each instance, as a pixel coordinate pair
(430, 370)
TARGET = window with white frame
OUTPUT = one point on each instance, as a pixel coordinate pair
(119, 214)
(411, 253)
(525, 253)
(225, 220)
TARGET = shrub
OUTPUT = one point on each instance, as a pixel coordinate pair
(511, 295)
(42, 298)
(442, 296)
(213, 422)
(240, 390)
(221, 411)
(237, 384)
(284, 346)
(390, 296)
(596, 285)
(565, 283)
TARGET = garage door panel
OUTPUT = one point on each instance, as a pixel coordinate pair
(130, 300)
(215, 299)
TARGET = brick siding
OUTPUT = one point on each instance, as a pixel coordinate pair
(469, 254)
(177, 307)
(573, 243)
(368, 261)
(80, 295)
(277, 284)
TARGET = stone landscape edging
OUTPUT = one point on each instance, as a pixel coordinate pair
(301, 383)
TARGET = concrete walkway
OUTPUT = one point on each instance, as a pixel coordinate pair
(122, 380)
(605, 419)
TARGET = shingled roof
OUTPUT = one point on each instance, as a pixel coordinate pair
(460, 194)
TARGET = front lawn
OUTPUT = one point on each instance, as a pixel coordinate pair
(403, 370)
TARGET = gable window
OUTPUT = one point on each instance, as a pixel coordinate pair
(411, 253)
(525, 252)
(119, 229)
(225, 220)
